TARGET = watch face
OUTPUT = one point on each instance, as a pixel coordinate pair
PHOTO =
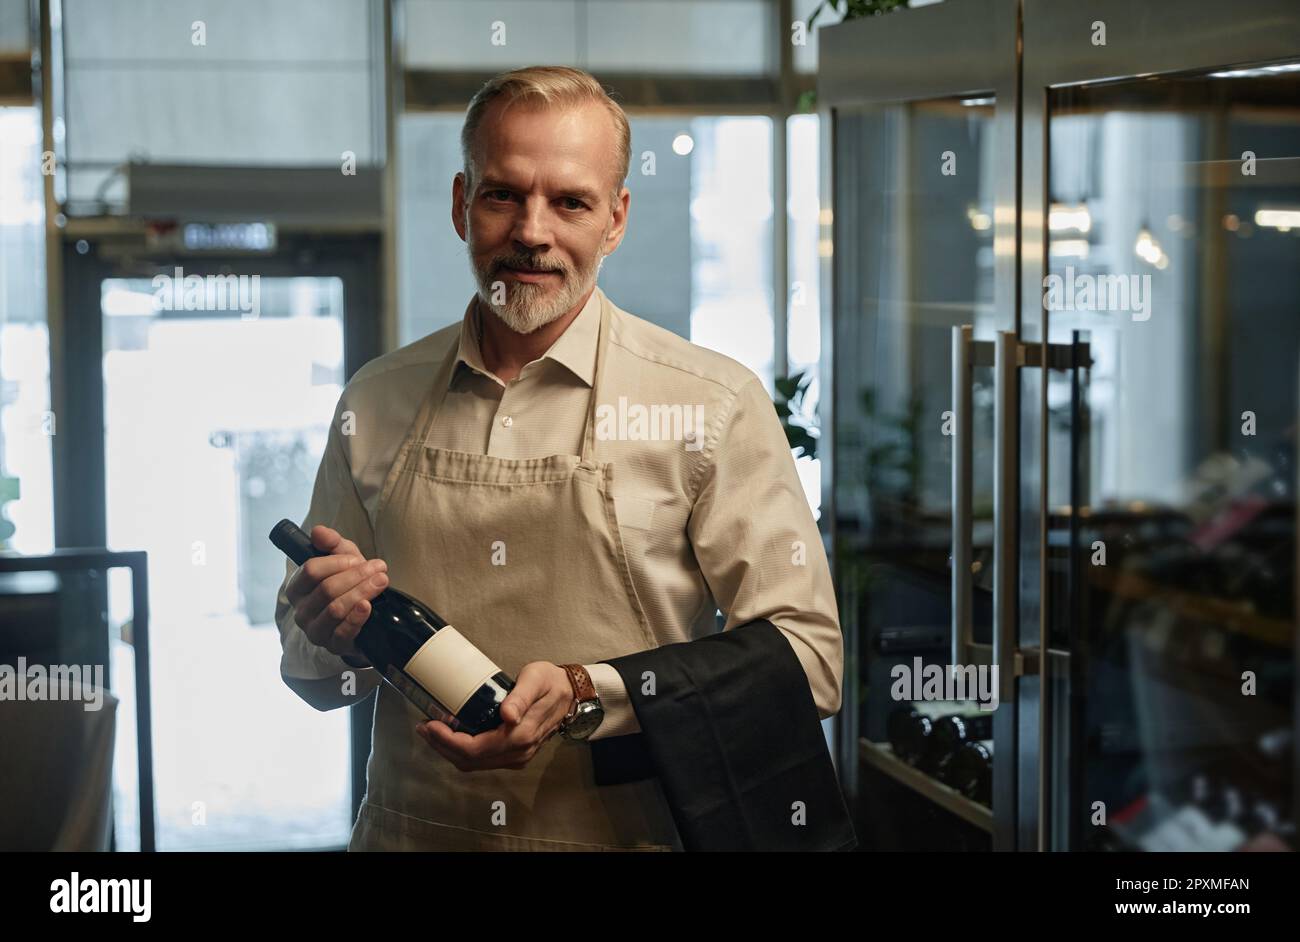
(585, 722)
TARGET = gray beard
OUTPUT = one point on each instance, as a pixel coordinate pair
(526, 309)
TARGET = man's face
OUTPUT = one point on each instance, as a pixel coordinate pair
(539, 220)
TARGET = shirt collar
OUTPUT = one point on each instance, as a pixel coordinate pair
(575, 349)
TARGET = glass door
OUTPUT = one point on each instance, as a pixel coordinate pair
(1165, 277)
(922, 268)
(218, 380)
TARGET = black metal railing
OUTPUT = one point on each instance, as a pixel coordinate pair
(92, 558)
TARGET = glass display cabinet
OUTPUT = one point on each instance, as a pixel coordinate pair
(1063, 341)
(1162, 148)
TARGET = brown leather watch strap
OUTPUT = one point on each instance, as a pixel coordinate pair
(583, 688)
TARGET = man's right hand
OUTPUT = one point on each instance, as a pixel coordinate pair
(331, 594)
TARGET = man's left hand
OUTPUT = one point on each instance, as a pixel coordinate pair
(530, 715)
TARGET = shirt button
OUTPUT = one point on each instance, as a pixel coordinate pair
(507, 421)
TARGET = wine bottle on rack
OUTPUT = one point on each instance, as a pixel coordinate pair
(972, 771)
(431, 663)
(899, 730)
(909, 729)
(953, 731)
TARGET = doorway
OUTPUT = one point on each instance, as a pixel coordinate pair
(203, 383)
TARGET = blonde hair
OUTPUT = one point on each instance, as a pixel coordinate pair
(548, 86)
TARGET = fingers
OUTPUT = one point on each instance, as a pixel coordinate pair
(339, 574)
(337, 593)
(530, 686)
(345, 635)
(310, 575)
(333, 542)
(345, 592)
(495, 749)
(537, 703)
(541, 697)
(467, 753)
(331, 594)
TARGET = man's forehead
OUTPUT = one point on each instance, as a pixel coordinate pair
(506, 166)
(569, 140)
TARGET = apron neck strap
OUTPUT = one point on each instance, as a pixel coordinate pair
(602, 344)
(432, 404)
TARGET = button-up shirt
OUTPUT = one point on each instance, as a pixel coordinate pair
(715, 521)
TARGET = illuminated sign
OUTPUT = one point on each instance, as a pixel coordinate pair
(236, 236)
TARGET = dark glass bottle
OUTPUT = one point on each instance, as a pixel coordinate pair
(972, 771)
(953, 731)
(909, 731)
(431, 663)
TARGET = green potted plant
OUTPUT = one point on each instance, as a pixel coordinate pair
(797, 414)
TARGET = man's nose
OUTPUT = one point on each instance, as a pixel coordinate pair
(533, 224)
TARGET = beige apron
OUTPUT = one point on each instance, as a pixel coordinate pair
(564, 594)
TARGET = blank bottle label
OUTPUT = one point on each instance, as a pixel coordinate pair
(420, 697)
(451, 668)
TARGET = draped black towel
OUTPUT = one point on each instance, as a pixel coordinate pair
(733, 734)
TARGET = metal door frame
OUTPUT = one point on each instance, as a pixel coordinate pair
(80, 505)
(941, 51)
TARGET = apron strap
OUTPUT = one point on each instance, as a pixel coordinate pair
(602, 343)
(432, 404)
(418, 431)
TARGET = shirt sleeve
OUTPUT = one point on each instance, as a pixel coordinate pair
(758, 545)
(761, 553)
(322, 679)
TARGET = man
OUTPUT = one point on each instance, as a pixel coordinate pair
(491, 470)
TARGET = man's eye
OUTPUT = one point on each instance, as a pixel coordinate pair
(503, 194)
(572, 202)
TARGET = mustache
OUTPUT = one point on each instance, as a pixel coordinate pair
(527, 261)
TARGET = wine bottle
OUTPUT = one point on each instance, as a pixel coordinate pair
(953, 731)
(897, 729)
(911, 729)
(972, 771)
(431, 663)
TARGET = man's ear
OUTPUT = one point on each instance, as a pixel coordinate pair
(460, 206)
(618, 222)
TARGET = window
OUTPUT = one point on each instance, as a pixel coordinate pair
(26, 423)
(243, 83)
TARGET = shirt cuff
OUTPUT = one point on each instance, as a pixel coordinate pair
(303, 660)
(620, 717)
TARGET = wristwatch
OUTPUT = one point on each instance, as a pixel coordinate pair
(586, 713)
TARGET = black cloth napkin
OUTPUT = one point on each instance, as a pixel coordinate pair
(733, 734)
